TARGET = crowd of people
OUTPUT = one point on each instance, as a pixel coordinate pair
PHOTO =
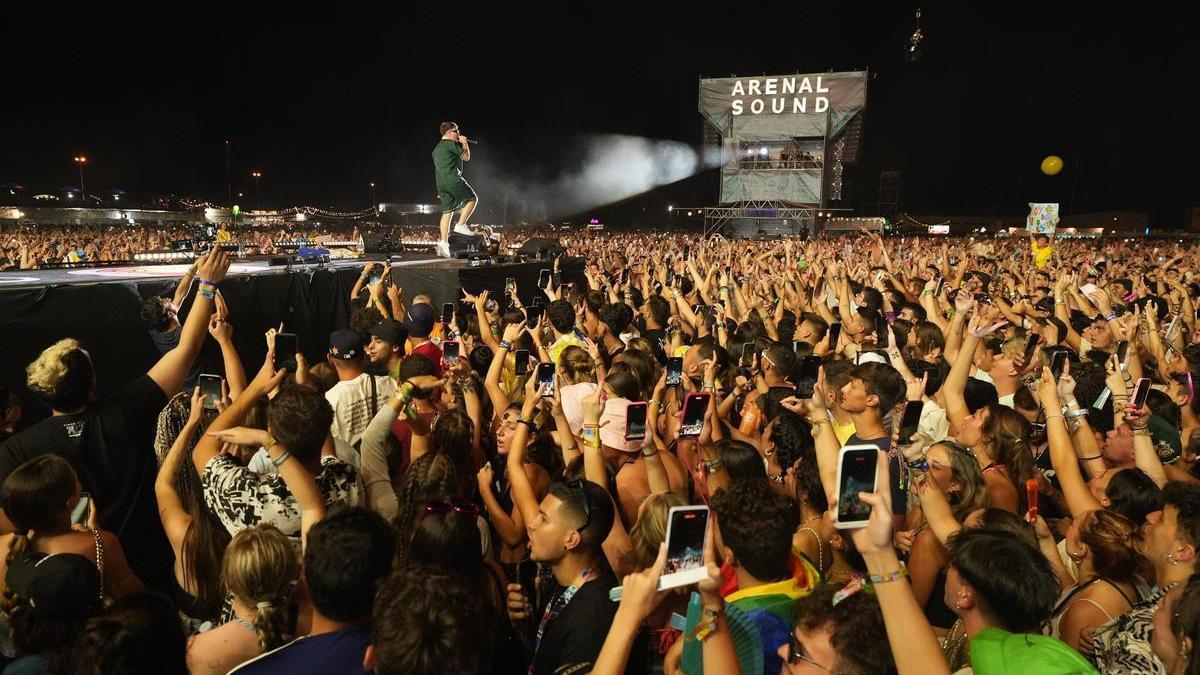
(27, 247)
(432, 498)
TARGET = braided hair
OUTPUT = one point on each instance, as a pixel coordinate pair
(260, 569)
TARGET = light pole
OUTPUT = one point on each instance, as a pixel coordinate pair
(80, 160)
(257, 192)
(374, 201)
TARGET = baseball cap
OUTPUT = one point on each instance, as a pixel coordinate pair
(420, 320)
(345, 344)
(391, 331)
(63, 584)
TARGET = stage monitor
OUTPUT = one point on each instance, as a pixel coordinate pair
(778, 133)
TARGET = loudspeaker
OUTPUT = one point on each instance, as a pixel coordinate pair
(542, 247)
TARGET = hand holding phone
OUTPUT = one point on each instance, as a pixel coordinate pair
(635, 421)
(695, 407)
(210, 389)
(857, 473)
(286, 347)
(545, 378)
(674, 371)
(79, 514)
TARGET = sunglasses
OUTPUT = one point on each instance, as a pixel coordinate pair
(796, 655)
(577, 486)
(446, 507)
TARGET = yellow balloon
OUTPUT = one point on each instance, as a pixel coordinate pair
(1052, 165)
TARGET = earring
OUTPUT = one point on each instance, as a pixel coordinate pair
(1171, 559)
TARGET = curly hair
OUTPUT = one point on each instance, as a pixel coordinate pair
(1113, 541)
(854, 624)
(62, 376)
(260, 569)
(155, 313)
(299, 417)
(756, 523)
(427, 621)
(452, 435)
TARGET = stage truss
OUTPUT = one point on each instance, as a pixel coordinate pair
(799, 218)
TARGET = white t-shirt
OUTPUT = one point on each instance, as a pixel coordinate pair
(933, 425)
(1009, 401)
(352, 409)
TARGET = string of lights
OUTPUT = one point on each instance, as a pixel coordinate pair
(909, 218)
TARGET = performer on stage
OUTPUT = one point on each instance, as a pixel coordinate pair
(453, 190)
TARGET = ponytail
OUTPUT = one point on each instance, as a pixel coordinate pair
(270, 624)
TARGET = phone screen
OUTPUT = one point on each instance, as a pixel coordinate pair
(1141, 390)
(374, 278)
(747, 358)
(450, 352)
(210, 388)
(543, 278)
(533, 313)
(881, 332)
(79, 514)
(1031, 343)
(635, 421)
(835, 332)
(1057, 363)
(1123, 353)
(286, 346)
(686, 528)
(447, 313)
(510, 286)
(521, 362)
(806, 378)
(694, 408)
(910, 421)
(856, 474)
(674, 371)
(545, 377)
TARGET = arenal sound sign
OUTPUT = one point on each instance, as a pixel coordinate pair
(810, 94)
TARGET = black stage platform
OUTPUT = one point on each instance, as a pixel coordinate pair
(100, 307)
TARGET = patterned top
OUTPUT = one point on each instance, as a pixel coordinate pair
(242, 498)
(1122, 646)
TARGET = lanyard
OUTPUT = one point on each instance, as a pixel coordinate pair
(557, 605)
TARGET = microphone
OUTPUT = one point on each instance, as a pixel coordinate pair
(472, 141)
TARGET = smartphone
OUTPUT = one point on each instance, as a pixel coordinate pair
(635, 421)
(543, 278)
(1031, 345)
(521, 362)
(1057, 363)
(687, 526)
(695, 406)
(545, 378)
(835, 333)
(210, 388)
(374, 277)
(806, 376)
(1141, 390)
(1123, 353)
(674, 371)
(747, 357)
(857, 473)
(286, 346)
(910, 421)
(881, 332)
(450, 351)
(625, 276)
(79, 514)
(670, 278)
(556, 279)
(510, 286)
(940, 285)
(533, 313)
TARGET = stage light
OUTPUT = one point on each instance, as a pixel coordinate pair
(670, 209)
(689, 213)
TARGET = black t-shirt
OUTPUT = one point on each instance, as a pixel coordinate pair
(899, 474)
(111, 447)
(575, 636)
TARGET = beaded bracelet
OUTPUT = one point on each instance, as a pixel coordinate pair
(887, 578)
(206, 293)
(505, 344)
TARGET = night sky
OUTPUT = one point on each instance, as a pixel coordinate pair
(323, 102)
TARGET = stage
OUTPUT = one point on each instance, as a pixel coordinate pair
(101, 308)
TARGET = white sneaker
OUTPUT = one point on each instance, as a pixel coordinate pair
(443, 249)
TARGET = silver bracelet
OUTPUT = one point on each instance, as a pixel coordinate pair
(282, 459)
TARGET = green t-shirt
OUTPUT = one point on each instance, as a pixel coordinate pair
(447, 162)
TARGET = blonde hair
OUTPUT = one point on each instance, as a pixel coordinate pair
(650, 530)
(48, 371)
(575, 365)
(260, 569)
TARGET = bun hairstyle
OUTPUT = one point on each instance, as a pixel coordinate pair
(62, 376)
(260, 569)
(1113, 540)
